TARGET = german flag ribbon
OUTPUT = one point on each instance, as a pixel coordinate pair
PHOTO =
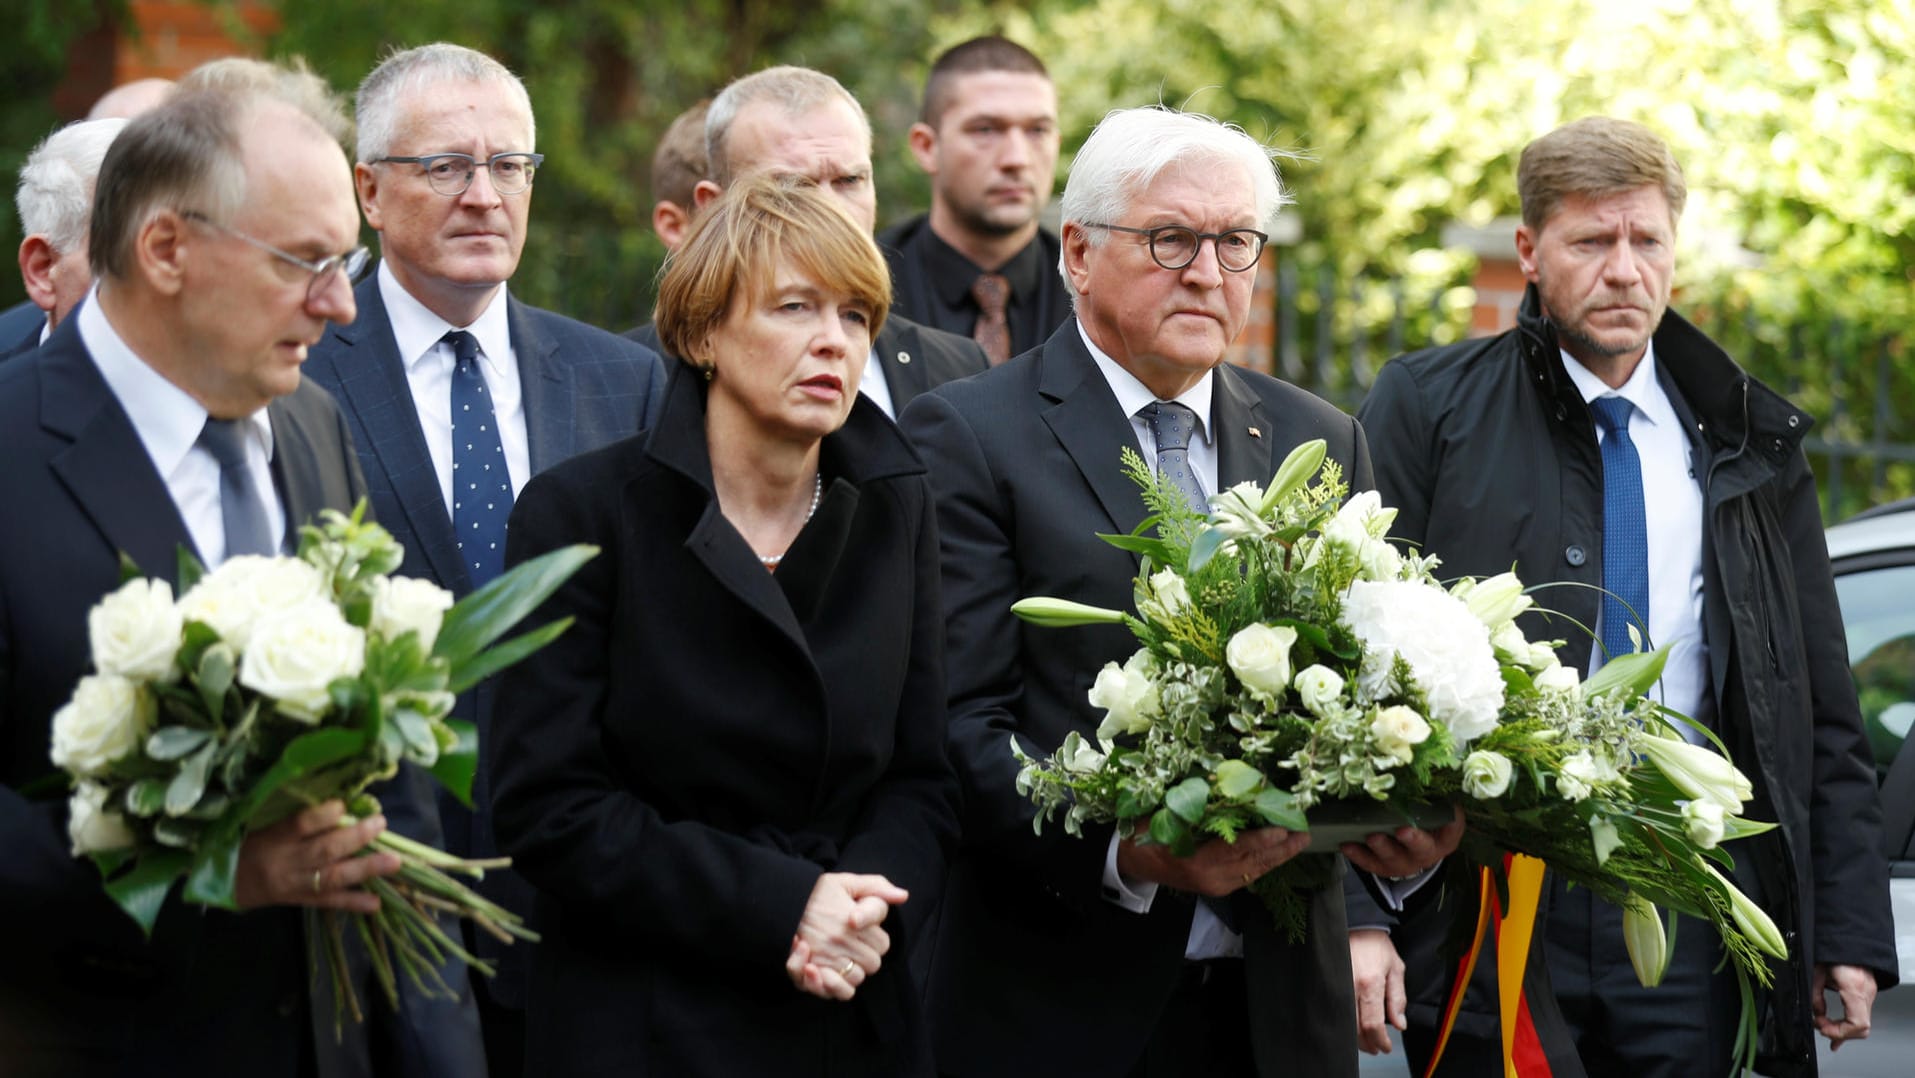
(1513, 930)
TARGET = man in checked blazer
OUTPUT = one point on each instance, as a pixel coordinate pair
(444, 175)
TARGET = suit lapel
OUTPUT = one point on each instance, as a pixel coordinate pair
(296, 469)
(546, 391)
(106, 468)
(1246, 441)
(374, 384)
(1089, 424)
(900, 354)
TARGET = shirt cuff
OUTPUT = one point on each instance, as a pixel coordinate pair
(1397, 891)
(1120, 893)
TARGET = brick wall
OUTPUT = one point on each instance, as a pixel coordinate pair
(172, 38)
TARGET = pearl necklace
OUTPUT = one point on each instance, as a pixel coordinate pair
(770, 561)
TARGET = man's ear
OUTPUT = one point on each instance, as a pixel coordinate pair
(703, 194)
(924, 146)
(1526, 252)
(161, 249)
(1076, 240)
(670, 221)
(366, 181)
(37, 257)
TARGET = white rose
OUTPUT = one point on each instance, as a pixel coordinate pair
(402, 603)
(1128, 696)
(1321, 690)
(235, 597)
(1486, 774)
(1168, 596)
(135, 631)
(1559, 679)
(103, 723)
(1398, 730)
(91, 827)
(1577, 779)
(1704, 821)
(295, 654)
(1260, 657)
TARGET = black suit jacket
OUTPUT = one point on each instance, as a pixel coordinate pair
(1035, 972)
(1034, 314)
(20, 327)
(213, 993)
(676, 771)
(583, 388)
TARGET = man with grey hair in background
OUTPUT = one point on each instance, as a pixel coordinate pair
(796, 121)
(1061, 955)
(456, 392)
(54, 199)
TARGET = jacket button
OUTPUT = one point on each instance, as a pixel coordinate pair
(1575, 555)
(1795, 421)
(904, 357)
(1561, 413)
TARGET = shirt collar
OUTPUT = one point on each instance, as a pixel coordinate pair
(416, 330)
(1133, 395)
(167, 418)
(1643, 389)
(953, 274)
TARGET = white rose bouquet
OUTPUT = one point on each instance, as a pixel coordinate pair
(272, 684)
(1296, 670)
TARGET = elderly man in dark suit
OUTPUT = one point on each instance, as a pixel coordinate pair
(54, 195)
(456, 392)
(1064, 956)
(796, 121)
(168, 412)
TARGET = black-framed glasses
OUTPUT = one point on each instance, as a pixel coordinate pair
(1174, 246)
(451, 173)
(352, 263)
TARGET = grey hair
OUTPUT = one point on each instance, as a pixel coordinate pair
(797, 89)
(292, 82)
(55, 196)
(377, 102)
(1130, 148)
(182, 156)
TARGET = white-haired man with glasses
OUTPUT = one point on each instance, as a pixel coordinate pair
(456, 392)
(1059, 955)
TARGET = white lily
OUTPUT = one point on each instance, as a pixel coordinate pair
(1643, 935)
(1698, 772)
(1751, 918)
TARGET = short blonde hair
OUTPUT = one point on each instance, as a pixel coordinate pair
(1595, 157)
(737, 243)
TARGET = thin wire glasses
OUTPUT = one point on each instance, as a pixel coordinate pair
(1174, 246)
(451, 173)
(352, 263)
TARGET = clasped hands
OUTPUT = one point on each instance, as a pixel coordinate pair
(1217, 868)
(840, 940)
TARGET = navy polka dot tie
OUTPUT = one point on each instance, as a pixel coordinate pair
(481, 487)
(1625, 530)
(1171, 425)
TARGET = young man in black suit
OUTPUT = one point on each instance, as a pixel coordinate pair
(222, 236)
(445, 174)
(1059, 955)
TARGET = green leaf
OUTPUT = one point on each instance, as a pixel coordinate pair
(190, 783)
(1236, 779)
(141, 890)
(130, 570)
(1278, 809)
(1187, 799)
(190, 569)
(1154, 549)
(487, 614)
(1129, 805)
(494, 659)
(1166, 828)
(214, 677)
(176, 742)
(210, 879)
(145, 797)
(456, 766)
(1205, 546)
(1634, 673)
(1303, 462)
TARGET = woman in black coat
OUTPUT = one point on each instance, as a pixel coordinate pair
(727, 778)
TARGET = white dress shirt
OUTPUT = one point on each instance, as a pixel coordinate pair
(168, 421)
(874, 386)
(429, 363)
(1672, 500)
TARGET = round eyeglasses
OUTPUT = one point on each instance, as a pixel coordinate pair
(1174, 246)
(352, 263)
(451, 173)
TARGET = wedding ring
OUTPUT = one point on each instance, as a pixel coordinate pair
(318, 887)
(1246, 879)
(845, 970)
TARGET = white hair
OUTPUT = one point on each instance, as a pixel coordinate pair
(55, 196)
(377, 102)
(796, 89)
(1130, 148)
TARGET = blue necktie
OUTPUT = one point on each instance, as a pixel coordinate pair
(481, 487)
(1625, 529)
(1171, 425)
(242, 513)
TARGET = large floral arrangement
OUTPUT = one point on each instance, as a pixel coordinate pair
(272, 684)
(1295, 669)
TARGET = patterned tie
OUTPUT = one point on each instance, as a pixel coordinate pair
(1625, 529)
(993, 329)
(1171, 425)
(481, 488)
(241, 511)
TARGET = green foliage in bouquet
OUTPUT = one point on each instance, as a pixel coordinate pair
(1295, 669)
(274, 684)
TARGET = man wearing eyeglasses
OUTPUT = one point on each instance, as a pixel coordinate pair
(1061, 955)
(168, 411)
(456, 392)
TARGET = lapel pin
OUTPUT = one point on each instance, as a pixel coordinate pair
(904, 357)
(1255, 433)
